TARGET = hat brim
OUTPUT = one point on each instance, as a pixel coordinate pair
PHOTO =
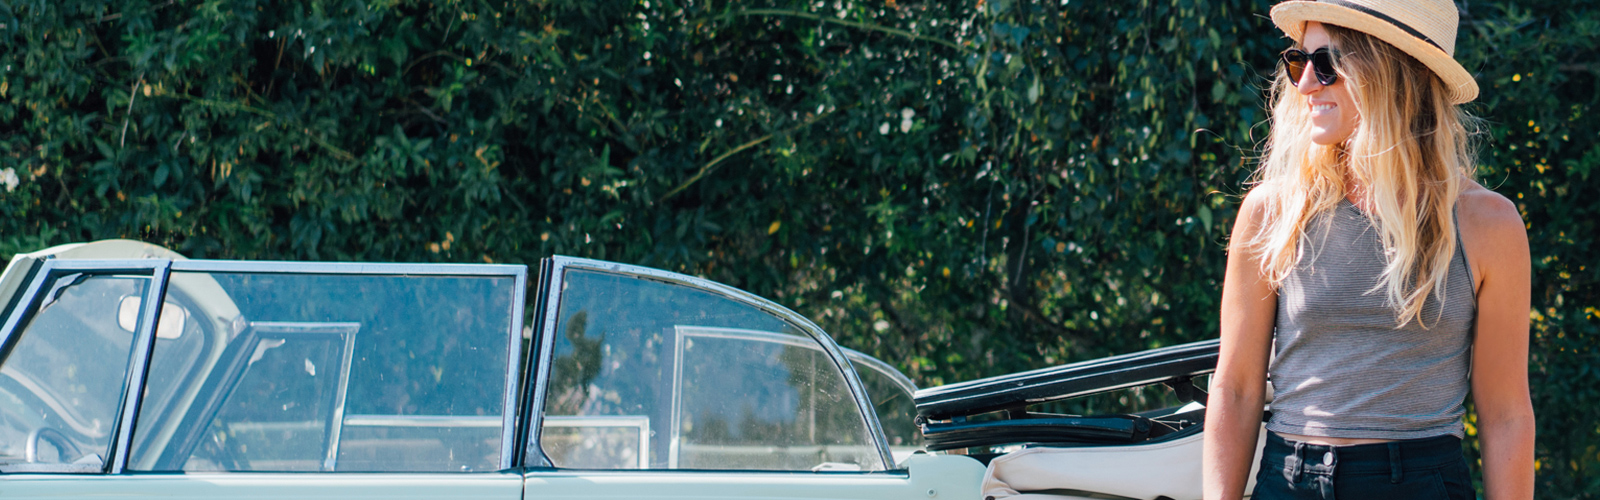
(1291, 17)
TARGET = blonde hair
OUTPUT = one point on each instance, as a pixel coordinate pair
(1411, 150)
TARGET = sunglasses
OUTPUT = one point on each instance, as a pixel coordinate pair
(1321, 62)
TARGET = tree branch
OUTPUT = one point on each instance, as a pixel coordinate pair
(853, 24)
(714, 161)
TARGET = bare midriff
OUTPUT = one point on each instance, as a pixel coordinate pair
(1331, 441)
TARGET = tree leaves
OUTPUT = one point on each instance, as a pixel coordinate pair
(964, 189)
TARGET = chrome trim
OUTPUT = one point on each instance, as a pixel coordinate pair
(675, 412)
(559, 264)
(550, 304)
(66, 468)
(346, 330)
(510, 413)
(529, 415)
(138, 353)
(14, 321)
(300, 267)
(421, 421)
(631, 474)
(130, 266)
(139, 365)
(14, 282)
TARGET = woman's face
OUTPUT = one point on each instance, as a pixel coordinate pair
(1333, 112)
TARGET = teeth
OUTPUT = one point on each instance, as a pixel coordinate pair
(1322, 107)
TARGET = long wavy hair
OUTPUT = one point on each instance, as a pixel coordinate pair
(1411, 150)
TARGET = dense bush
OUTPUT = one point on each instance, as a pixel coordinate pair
(963, 188)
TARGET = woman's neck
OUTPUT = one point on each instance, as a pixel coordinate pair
(1357, 192)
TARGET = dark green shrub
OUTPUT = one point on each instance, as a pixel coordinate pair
(963, 188)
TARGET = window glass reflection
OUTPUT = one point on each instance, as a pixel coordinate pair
(651, 374)
(61, 386)
(762, 400)
(324, 372)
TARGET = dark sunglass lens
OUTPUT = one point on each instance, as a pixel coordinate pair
(1295, 62)
(1322, 63)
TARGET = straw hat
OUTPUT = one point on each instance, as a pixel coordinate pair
(1426, 29)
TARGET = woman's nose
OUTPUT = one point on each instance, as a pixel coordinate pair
(1308, 81)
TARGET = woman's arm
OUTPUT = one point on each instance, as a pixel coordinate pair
(1233, 410)
(1497, 243)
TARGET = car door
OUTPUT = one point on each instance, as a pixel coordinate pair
(220, 379)
(656, 385)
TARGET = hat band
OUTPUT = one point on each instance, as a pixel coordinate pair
(1384, 17)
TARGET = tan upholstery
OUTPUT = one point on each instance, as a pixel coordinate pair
(1170, 469)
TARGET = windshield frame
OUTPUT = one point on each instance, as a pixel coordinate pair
(159, 270)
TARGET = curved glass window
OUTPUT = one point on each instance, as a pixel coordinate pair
(891, 393)
(649, 374)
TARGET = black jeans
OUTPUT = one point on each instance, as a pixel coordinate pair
(1415, 469)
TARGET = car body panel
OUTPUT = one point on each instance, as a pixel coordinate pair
(249, 486)
(925, 476)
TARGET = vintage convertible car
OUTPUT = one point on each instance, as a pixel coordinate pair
(128, 371)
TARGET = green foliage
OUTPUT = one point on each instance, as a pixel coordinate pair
(963, 188)
(1540, 78)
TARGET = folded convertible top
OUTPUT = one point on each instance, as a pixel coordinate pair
(1173, 365)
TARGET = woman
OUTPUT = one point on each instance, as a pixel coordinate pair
(1371, 277)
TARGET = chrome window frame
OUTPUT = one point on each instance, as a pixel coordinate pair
(553, 273)
(160, 271)
(137, 369)
(686, 331)
(346, 335)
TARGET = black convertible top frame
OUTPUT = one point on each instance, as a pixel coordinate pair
(1174, 366)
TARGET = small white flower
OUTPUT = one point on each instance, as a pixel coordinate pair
(10, 179)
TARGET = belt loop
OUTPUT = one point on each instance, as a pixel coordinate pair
(1394, 463)
(1299, 460)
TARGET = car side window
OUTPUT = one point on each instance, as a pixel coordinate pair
(891, 393)
(62, 384)
(333, 372)
(651, 374)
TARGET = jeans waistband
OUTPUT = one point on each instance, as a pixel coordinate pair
(1393, 456)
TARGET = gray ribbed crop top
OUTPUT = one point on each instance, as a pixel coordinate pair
(1340, 368)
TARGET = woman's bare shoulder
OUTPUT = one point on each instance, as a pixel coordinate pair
(1487, 214)
(1493, 232)
(1256, 201)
